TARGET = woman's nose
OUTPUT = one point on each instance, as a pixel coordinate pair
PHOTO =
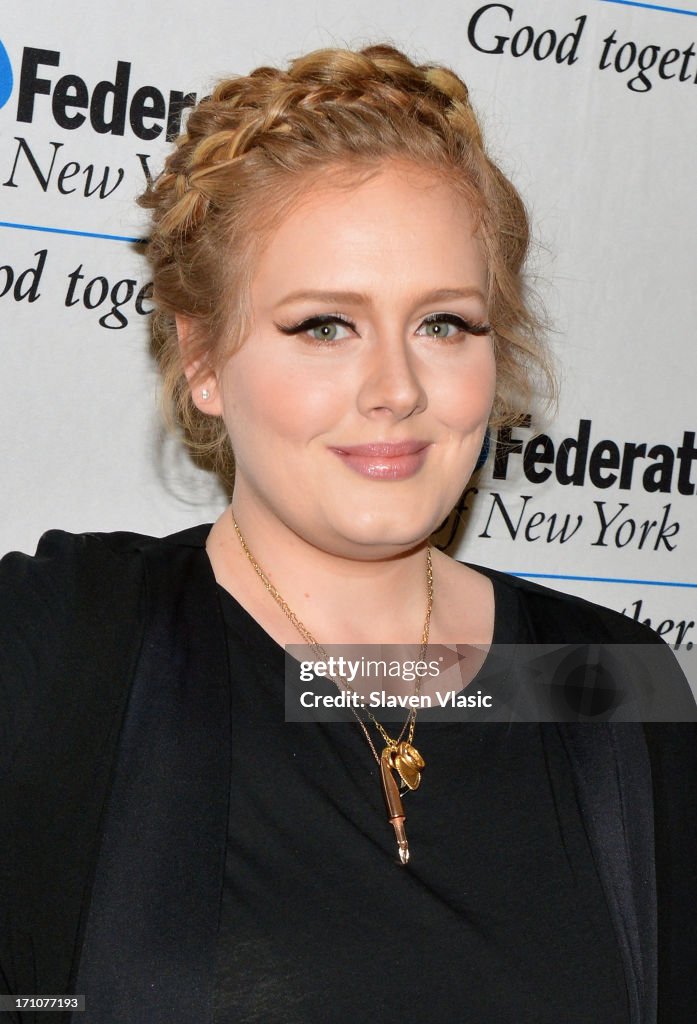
(392, 384)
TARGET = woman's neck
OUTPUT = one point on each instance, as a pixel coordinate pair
(338, 599)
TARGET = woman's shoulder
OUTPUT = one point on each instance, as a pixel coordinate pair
(79, 578)
(78, 601)
(553, 616)
(62, 552)
(65, 568)
(635, 660)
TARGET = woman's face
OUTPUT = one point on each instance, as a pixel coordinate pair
(357, 404)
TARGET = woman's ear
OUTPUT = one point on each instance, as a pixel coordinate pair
(203, 382)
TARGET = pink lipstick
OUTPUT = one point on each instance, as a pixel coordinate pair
(385, 461)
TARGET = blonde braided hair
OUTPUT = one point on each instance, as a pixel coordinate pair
(257, 143)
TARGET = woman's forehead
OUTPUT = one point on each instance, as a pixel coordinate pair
(398, 224)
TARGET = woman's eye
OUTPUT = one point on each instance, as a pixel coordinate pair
(448, 325)
(321, 328)
(330, 330)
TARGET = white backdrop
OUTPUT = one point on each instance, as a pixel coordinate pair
(590, 107)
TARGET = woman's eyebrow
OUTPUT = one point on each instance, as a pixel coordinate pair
(360, 298)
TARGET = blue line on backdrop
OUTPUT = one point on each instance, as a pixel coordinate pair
(70, 231)
(651, 7)
(601, 579)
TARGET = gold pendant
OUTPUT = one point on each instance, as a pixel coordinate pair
(393, 803)
(407, 762)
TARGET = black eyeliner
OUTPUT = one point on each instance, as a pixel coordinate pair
(467, 326)
(458, 321)
(314, 321)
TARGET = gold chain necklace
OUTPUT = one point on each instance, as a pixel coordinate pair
(398, 755)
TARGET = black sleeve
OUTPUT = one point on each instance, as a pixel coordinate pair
(37, 602)
(673, 752)
(70, 625)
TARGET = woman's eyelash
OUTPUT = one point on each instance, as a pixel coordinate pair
(467, 326)
(315, 321)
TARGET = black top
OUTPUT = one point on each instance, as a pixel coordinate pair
(121, 800)
(499, 917)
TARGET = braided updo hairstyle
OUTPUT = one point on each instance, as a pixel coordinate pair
(257, 143)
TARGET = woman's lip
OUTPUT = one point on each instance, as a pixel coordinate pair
(386, 450)
(385, 461)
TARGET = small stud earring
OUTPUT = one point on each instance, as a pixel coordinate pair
(205, 394)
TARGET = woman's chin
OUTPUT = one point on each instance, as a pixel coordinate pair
(384, 537)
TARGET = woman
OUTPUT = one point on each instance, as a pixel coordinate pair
(337, 269)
